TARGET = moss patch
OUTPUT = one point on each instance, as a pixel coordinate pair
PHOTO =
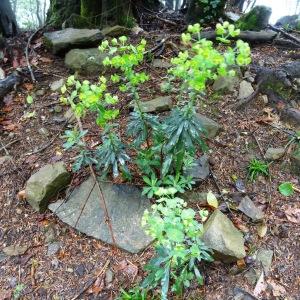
(256, 19)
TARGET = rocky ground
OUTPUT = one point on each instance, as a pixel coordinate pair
(42, 257)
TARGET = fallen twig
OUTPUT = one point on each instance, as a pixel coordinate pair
(27, 52)
(85, 202)
(49, 143)
(243, 102)
(258, 144)
(102, 198)
(165, 20)
(159, 45)
(9, 144)
(284, 33)
(101, 273)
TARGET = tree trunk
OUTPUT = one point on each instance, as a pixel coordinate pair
(60, 10)
(169, 4)
(96, 13)
(202, 12)
(8, 23)
(38, 16)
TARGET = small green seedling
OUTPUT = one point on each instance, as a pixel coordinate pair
(134, 294)
(29, 99)
(287, 189)
(257, 167)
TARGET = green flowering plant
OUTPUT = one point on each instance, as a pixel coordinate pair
(179, 248)
(85, 96)
(202, 61)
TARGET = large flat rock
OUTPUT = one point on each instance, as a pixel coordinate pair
(125, 206)
(85, 61)
(45, 184)
(63, 40)
(223, 238)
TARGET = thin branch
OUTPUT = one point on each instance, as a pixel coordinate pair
(27, 52)
(84, 205)
(101, 272)
(289, 36)
(102, 198)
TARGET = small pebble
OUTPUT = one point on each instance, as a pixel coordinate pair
(80, 270)
(58, 109)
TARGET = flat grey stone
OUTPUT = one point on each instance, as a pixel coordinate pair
(161, 64)
(3, 256)
(53, 248)
(245, 89)
(210, 126)
(109, 276)
(158, 104)
(252, 276)
(125, 207)
(85, 61)
(265, 256)
(200, 171)
(274, 153)
(69, 38)
(195, 197)
(228, 83)
(57, 85)
(248, 207)
(115, 31)
(223, 238)
(5, 159)
(45, 184)
(295, 162)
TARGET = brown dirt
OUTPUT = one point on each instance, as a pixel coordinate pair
(63, 275)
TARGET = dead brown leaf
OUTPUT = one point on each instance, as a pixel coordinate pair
(277, 289)
(260, 285)
(45, 60)
(293, 214)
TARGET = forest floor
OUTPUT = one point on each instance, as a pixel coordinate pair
(25, 129)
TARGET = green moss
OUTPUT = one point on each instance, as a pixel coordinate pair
(255, 19)
(77, 21)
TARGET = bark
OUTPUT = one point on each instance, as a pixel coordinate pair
(247, 36)
(8, 23)
(38, 16)
(204, 12)
(169, 4)
(96, 13)
(8, 84)
(278, 85)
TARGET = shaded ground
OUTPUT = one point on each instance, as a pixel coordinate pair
(61, 276)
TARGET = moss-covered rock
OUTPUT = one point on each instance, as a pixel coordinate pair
(77, 21)
(256, 19)
(295, 162)
(60, 10)
(85, 61)
(63, 40)
(292, 22)
(115, 31)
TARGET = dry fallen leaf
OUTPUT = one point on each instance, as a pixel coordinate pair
(14, 250)
(241, 264)
(45, 60)
(293, 214)
(212, 200)
(277, 289)
(28, 86)
(260, 285)
(22, 195)
(262, 230)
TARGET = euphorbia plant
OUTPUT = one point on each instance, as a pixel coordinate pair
(179, 248)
